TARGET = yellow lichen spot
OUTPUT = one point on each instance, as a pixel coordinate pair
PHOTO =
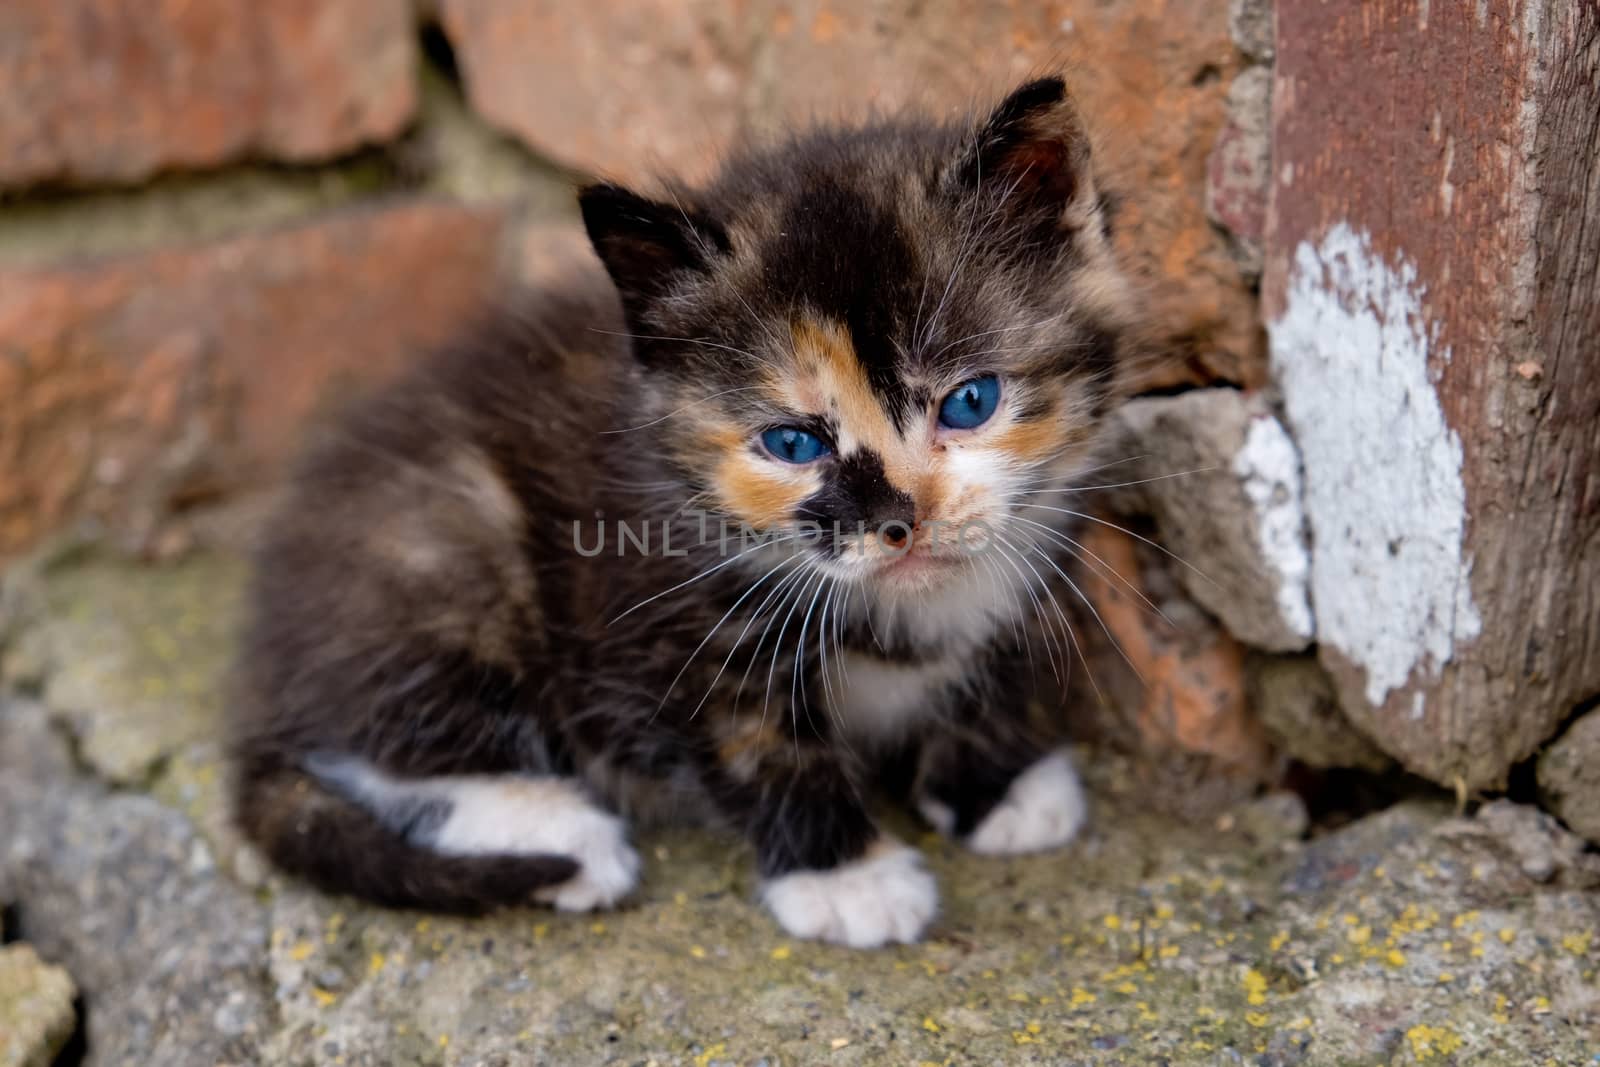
(1463, 919)
(1379, 872)
(1081, 996)
(1541, 1006)
(1428, 1042)
(1448, 946)
(1167, 952)
(1113, 922)
(375, 963)
(1255, 987)
(540, 930)
(1034, 1026)
(988, 973)
(1395, 958)
(597, 928)
(1257, 1019)
(1350, 918)
(681, 899)
(929, 1025)
(1021, 1037)
(324, 997)
(1019, 998)
(444, 1040)
(1360, 935)
(1578, 944)
(1279, 939)
(1507, 935)
(781, 952)
(1336, 958)
(1445, 978)
(301, 950)
(711, 1052)
(697, 952)
(1127, 987)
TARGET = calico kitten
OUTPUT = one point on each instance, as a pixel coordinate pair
(848, 383)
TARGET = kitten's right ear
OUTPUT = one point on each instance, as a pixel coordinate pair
(644, 243)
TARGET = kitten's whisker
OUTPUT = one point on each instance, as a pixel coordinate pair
(1039, 607)
(1138, 537)
(788, 585)
(777, 646)
(1119, 485)
(1002, 329)
(786, 561)
(708, 571)
(1093, 611)
(1077, 547)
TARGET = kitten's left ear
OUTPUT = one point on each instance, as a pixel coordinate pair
(646, 244)
(1032, 154)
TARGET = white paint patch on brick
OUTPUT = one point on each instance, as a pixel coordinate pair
(1383, 492)
(1269, 469)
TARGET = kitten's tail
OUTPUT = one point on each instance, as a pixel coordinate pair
(332, 842)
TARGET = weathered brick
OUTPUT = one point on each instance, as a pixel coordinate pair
(627, 89)
(130, 387)
(115, 90)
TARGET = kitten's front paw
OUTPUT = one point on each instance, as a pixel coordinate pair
(885, 896)
(1044, 808)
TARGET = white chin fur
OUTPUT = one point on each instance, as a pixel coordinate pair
(885, 896)
(511, 814)
(1044, 808)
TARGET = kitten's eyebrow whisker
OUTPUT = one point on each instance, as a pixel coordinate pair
(1002, 329)
(680, 411)
(684, 340)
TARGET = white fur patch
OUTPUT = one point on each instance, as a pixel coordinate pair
(886, 896)
(510, 814)
(1044, 808)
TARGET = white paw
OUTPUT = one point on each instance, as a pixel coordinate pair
(885, 896)
(1044, 808)
(542, 815)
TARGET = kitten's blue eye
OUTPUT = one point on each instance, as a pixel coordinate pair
(794, 445)
(971, 403)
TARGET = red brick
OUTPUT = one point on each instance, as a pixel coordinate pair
(626, 89)
(115, 90)
(132, 386)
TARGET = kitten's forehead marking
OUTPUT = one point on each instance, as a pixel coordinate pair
(831, 381)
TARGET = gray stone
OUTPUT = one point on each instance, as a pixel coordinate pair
(1569, 776)
(1239, 171)
(1252, 25)
(1296, 701)
(121, 891)
(131, 660)
(36, 1012)
(1222, 480)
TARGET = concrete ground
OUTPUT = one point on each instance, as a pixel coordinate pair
(1411, 936)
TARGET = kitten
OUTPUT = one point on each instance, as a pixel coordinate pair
(885, 350)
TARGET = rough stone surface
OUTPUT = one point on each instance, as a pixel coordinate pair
(1157, 677)
(195, 84)
(1251, 23)
(132, 668)
(627, 90)
(1569, 776)
(1222, 481)
(1410, 937)
(1296, 701)
(36, 1012)
(136, 386)
(1239, 173)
